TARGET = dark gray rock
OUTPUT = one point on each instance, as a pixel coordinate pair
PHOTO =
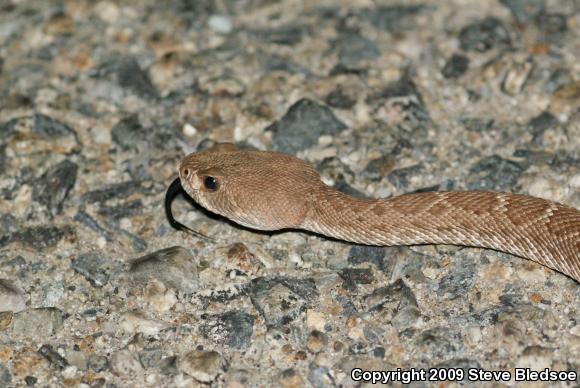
(93, 267)
(232, 328)
(367, 254)
(439, 343)
(175, 267)
(390, 299)
(287, 35)
(279, 300)
(484, 35)
(117, 191)
(53, 357)
(30, 380)
(320, 377)
(552, 23)
(97, 363)
(540, 124)
(455, 66)
(302, 125)
(357, 275)
(353, 48)
(458, 281)
(150, 357)
(400, 177)
(494, 173)
(45, 130)
(53, 187)
(5, 376)
(476, 124)
(393, 18)
(524, 11)
(339, 99)
(128, 132)
(38, 237)
(131, 77)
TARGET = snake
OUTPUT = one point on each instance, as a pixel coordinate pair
(270, 191)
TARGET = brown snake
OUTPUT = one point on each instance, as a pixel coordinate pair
(271, 191)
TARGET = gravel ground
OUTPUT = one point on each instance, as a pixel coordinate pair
(99, 100)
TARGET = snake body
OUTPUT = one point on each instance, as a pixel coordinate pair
(271, 191)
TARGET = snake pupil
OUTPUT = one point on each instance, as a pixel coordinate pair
(210, 183)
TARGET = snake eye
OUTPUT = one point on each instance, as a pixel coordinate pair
(210, 183)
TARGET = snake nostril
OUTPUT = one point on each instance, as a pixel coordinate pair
(185, 172)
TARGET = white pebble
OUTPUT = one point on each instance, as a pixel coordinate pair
(220, 23)
(189, 130)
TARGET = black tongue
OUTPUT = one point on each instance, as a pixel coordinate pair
(172, 191)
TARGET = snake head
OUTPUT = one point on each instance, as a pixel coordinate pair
(258, 189)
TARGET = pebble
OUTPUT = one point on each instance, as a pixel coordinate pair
(53, 356)
(484, 35)
(302, 125)
(280, 300)
(317, 341)
(494, 173)
(42, 322)
(232, 328)
(174, 267)
(221, 24)
(93, 267)
(353, 48)
(53, 187)
(455, 66)
(136, 321)
(12, 298)
(203, 366)
(124, 363)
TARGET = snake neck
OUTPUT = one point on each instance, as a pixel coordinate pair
(533, 228)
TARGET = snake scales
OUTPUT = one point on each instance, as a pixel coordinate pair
(271, 191)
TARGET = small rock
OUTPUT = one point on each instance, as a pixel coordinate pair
(40, 133)
(367, 254)
(317, 341)
(41, 322)
(302, 125)
(285, 35)
(401, 178)
(456, 66)
(38, 237)
(484, 35)
(339, 99)
(516, 77)
(289, 378)
(279, 300)
(353, 47)
(53, 356)
(203, 366)
(221, 24)
(53, 187)
(127, 131)
(97, 363)
(135, 321)
(494, 173)
(124, 363)
(5, 319)
(319, 376)
(131, 77)
(150, 357)
(393, 18)
(233, 328)
(389, 301)
(92, 267)
(12, 298)
(357, 275)
(175, 267)
(524, 11)
(438, 343)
